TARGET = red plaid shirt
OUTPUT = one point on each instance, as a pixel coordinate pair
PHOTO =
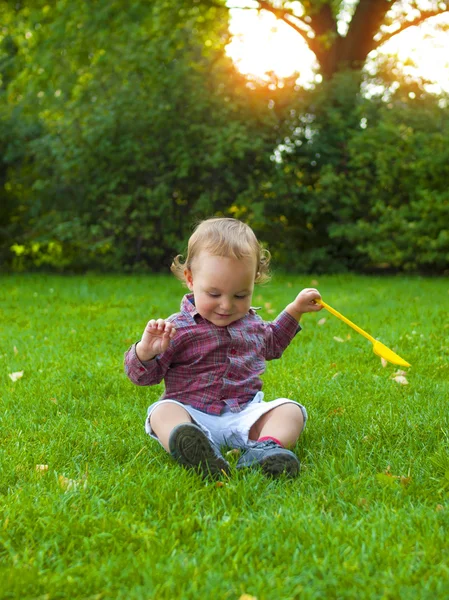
(210, 367)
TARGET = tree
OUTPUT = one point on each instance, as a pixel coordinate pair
(373, 23)
(146, 127)
(121, 124)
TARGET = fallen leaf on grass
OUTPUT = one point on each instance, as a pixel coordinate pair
(16, 352)
(322, 321)
(400, 372)
(439, 507)
(71, 485)
(233, 451)
(15, 376)
(65, 483)
(389, 479)
(41, 468)
(400, 379)
(385, 479)
(335, 375)
(247, 597)
(219, 484)
(339, 339)
(384, 362)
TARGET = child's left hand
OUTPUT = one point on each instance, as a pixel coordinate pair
(304, 303)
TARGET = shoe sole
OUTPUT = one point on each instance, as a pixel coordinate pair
(281, 464)
(191, 448)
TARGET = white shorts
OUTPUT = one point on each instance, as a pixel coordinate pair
(229, 429)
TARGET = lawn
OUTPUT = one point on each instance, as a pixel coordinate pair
(90, 507)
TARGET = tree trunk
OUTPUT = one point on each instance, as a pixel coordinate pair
(334, 52)
(339, 53)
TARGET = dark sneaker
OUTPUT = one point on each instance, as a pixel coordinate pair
(191, 447)
(272, 458)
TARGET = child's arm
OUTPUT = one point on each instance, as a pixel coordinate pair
(304, 303)
(155, 339)
(280, 332)
(140, 367)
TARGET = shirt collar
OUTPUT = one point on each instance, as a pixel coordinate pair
(188, 306)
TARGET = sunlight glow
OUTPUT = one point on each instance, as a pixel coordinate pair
(261, 43)
(423, 52)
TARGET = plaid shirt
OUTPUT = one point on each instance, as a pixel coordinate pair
(210, 367)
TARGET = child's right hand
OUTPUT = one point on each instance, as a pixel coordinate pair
(155, 339)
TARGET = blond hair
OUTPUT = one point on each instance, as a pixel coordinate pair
(224, 237)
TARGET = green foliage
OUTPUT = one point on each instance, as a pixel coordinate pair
(400, 215)
(121, 125)
(361, 184)
(156, 125)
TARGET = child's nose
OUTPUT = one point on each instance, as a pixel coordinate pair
(226, 303)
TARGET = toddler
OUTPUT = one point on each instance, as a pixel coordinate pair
(211, 355)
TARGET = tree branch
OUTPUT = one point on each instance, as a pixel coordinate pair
(285, 15)
(365, 23)
(292, 21)
(424, 16)
(323, 21)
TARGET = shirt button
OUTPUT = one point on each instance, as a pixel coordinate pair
(233, 351)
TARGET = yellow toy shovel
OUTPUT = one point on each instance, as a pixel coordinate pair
(378, 348)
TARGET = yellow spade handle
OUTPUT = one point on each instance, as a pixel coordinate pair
(347, 321)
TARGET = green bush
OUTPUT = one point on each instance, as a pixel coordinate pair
(143, 143)
(120, 126)
(396, 178)
(362, 184)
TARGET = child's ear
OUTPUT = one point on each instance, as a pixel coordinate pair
(188, 279)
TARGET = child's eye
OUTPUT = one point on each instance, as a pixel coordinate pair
(212, 295)
(241, 297)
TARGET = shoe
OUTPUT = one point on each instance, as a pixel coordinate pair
(191, 447)
(272, 458)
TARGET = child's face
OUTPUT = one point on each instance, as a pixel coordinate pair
(222, 287)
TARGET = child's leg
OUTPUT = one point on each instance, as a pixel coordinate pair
(268, 437)
(284, 423)
(164, 418)
(186, 441)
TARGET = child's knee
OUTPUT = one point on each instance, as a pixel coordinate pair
(292, 414)
(167, 413)
(292, 411)
(296, 413)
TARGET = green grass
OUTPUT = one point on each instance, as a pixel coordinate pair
(367, 518)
